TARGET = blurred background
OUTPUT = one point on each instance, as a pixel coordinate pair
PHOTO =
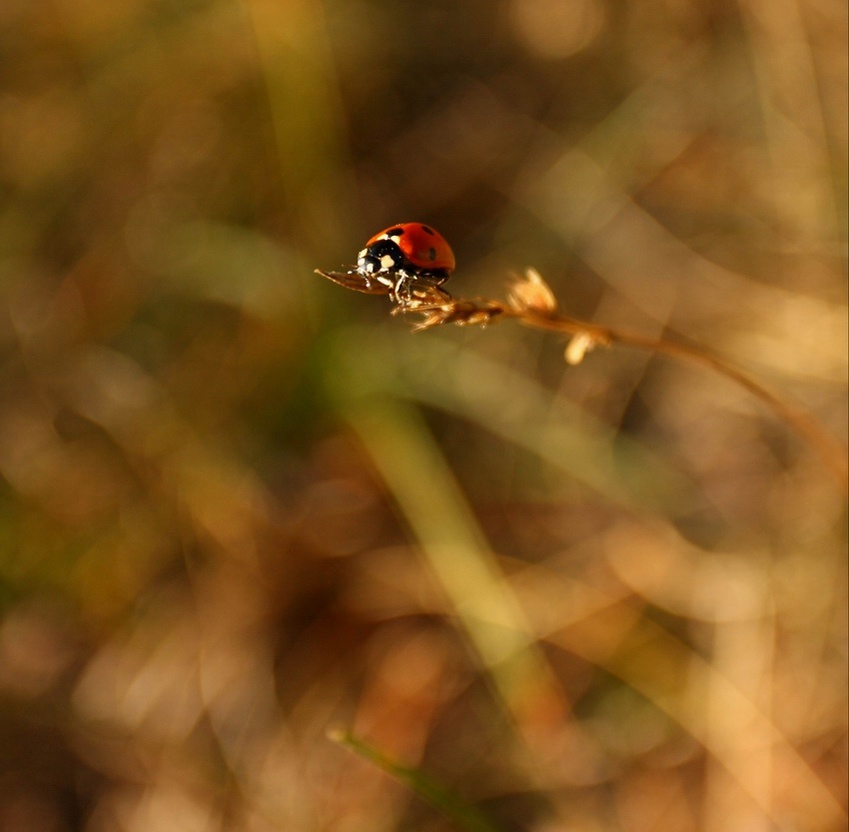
(241, 506)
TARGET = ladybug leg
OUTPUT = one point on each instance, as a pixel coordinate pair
(388, 282)
(402, 289)
(411, 292)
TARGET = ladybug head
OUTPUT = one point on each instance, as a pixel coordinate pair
(381, 256)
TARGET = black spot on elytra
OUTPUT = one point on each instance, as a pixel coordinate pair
(428, 231)
(432, 253)
(395, 232)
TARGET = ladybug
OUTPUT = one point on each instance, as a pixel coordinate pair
(399, 259)
(409, 249)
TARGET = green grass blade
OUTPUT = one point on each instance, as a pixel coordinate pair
(464, 814)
